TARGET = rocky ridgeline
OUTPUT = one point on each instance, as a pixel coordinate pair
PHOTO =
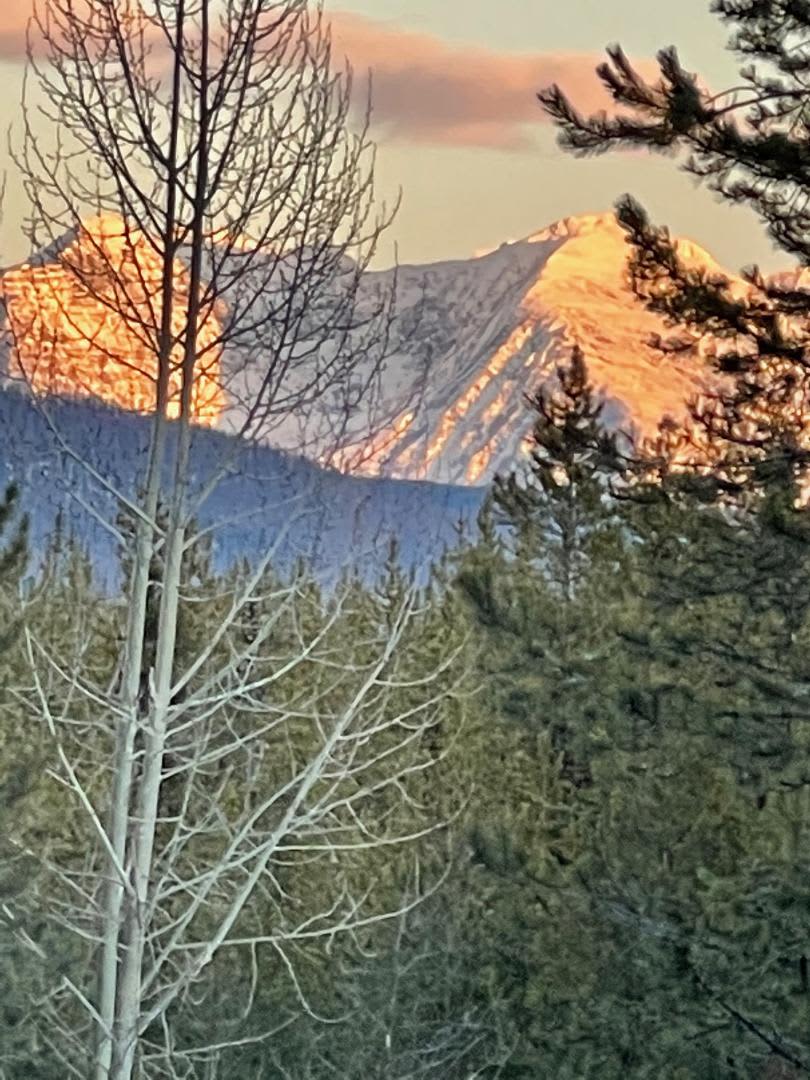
(471, 338)
(81, 320)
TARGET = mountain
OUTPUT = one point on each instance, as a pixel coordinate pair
(470, 339)
(75, 331)
(489, 330)
(331, 520)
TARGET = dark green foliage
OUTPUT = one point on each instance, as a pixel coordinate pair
(21, 764)
(621, 886)
(560, 510)
(15, 547)
(752, 146)
(660, 933)
(544, 580)
(723, 632)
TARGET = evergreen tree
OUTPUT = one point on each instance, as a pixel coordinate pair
(552, 567)
(675, 910)
(334, 636)
(546, 585)
(750, 145)
(727, 538)
(33, 821)
(559, 509)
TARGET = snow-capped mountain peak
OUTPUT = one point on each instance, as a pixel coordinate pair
(471, 339)
(494, 327)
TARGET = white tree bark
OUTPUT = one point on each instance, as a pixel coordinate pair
(220, 136)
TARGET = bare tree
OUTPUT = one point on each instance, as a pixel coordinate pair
(235, 215)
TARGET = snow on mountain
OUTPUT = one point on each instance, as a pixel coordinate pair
(473, 337)
(470, 339)
(75, 332)
(489, 330)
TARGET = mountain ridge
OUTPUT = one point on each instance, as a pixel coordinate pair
(471, 338)
(333, 522)
(566, 285)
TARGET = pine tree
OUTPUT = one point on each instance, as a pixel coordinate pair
(546, 585)
(682, 880)
(552, 566)
(15, 780)
(750, 146)
(336, 633)
(727, 539)
(559, 509)
(30, 824)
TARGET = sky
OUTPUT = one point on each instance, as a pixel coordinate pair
(459, 130)
(468, 189)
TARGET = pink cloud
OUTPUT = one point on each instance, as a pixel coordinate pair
(426, 90)
(14, 16)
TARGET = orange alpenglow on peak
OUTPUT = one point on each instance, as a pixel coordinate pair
(493, 328)
(470, 340)
(82, 318)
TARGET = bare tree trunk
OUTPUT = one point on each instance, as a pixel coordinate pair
(135, 927)
(124, 760)
(224, 147)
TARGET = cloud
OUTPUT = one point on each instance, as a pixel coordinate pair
(430, 91)
(14, 16)
(427, 90)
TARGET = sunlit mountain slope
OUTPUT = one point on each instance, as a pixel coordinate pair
(470, 339)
